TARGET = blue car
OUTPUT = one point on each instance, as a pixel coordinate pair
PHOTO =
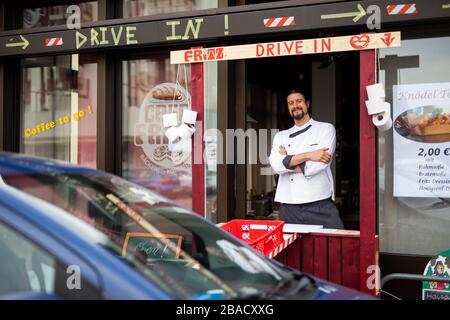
(68, 232)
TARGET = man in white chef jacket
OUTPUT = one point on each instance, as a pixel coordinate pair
(301, 156)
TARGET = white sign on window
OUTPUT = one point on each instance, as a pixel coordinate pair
(211, 152)
(422, 140)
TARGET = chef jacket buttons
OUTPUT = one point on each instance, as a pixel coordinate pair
(292, 179)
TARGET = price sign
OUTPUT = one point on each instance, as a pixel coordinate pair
(433, 152)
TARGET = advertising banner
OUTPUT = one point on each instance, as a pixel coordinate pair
(363, 41)
(421, 114)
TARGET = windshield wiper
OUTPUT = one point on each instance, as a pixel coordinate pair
(280, 285)
(257, 295)
(301, 280)
(265, 294)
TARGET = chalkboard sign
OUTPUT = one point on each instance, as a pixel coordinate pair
(153, 246)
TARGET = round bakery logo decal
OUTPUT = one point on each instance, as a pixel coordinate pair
(149, 133)
(438, 267)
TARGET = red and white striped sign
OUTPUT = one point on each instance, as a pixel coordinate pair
(52, 42)
(408, 8)
(288, 239)
(279, 22)
(288, 48)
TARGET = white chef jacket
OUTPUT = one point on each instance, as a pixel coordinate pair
(316, 181)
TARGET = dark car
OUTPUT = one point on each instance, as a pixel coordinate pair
(93, 235)
(167, 185)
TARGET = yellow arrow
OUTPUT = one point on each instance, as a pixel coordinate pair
(24, 44)
(81, 39)
(357, 15)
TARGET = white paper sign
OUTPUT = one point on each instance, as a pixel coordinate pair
(211, 152)
(421, 115)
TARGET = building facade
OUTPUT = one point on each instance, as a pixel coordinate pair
(95, 96)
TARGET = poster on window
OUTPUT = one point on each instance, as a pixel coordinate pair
(421, 114)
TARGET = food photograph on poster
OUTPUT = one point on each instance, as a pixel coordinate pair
(425, 124)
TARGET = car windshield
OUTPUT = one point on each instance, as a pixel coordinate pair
(184, 254)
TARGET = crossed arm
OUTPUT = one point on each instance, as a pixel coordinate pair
(320, 155)
(308, 163)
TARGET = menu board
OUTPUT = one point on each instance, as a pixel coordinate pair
(421, 114)
(438, 267)
(152, 246)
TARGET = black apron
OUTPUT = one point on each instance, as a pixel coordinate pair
(322, 212)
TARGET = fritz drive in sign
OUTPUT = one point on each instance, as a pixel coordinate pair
(363, 41)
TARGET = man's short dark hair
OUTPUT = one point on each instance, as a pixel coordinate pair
(292, 91)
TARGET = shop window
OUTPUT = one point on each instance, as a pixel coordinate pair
(413, 160)
(56, 15)
(138, 8)
(58, 112)
(152, 88)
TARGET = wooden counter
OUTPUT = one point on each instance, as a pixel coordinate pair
(330, 256)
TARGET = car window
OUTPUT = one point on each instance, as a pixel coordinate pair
(173, 247)
(26, 267)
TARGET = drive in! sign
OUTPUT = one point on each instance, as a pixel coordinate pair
(286, 48)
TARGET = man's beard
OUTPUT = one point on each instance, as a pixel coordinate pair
(298, 116)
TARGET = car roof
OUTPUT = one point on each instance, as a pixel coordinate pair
(31, 164)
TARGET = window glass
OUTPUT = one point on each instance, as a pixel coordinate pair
(137, 8)
(211, 140)
(57, 15)
(413, 224)
(151, 89)
(58, 118)
(24, 267)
